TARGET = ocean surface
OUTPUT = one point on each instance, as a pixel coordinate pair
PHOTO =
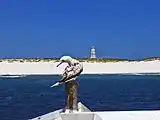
(26, 97)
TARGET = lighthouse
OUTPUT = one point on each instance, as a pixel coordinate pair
(93, 52)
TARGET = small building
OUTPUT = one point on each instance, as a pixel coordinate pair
(93, 52)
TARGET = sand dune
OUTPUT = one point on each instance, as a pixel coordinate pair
(31, 68)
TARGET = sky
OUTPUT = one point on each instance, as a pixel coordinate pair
(52, 28)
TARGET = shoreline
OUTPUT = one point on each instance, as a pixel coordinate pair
(49, 68)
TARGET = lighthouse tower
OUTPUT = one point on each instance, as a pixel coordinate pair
(93, 52)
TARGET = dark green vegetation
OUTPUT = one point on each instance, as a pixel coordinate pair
(80, 59)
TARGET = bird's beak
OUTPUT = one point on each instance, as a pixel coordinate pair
(59, 64)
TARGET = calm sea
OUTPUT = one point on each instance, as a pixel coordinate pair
(27, 97)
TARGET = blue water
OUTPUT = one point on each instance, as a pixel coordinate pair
(27, 97)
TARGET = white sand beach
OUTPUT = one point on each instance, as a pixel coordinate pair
(32, 68)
